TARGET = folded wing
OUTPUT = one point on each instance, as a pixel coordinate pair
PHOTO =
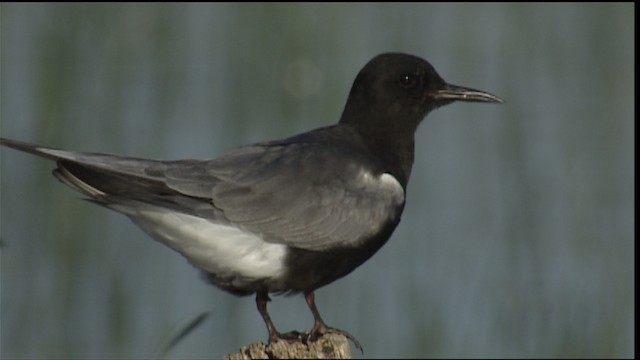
(293, 193)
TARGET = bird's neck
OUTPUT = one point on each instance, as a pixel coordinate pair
(398, 155)
(395, 150)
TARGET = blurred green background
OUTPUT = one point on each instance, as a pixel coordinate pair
(518, 235)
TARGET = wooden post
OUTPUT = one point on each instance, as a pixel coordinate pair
(329, 346)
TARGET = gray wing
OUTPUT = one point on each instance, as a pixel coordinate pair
(299, 194)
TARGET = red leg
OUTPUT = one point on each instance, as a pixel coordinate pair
(320, 328)
(261, 301)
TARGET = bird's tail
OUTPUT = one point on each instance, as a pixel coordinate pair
(45, 152)
(92, 174)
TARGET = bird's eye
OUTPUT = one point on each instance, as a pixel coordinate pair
(408, 80)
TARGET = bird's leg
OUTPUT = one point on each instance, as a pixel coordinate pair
(262, 298)
(320, 328)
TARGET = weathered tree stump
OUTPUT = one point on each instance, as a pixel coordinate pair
(329, 346)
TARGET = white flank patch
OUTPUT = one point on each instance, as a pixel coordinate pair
(385, 185)
(219, 249)
(392, 185)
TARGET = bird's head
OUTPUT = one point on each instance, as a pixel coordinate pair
(396, 91)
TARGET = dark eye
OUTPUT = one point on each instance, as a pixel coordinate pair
(408, 80)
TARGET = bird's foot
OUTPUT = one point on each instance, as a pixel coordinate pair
(318, 332)
(290, 337)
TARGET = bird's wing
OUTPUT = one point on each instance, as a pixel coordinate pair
(300, 194)
(305, 195)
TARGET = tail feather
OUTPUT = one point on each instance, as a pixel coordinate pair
(68, 178)
(45, 152)
(96, 174)
(108, 179)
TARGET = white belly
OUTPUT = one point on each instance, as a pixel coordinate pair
(220, 249)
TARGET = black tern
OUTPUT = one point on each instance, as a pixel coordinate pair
(285, 216)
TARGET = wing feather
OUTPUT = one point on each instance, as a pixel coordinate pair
(302, 192)
(278, 192)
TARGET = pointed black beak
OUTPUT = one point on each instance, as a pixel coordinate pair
(453, 92)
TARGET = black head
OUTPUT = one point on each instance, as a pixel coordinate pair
(395, 91)
(389, 98)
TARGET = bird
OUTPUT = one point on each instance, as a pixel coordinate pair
(285, 216)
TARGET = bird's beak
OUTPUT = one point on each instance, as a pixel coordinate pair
(453, 92)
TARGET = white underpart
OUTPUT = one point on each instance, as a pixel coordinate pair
(220, 249)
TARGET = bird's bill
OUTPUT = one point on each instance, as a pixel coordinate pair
(454, 92)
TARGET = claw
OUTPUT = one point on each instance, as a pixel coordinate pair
(291, 336)
(315, 335)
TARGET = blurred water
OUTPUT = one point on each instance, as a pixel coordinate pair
(517, 238)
